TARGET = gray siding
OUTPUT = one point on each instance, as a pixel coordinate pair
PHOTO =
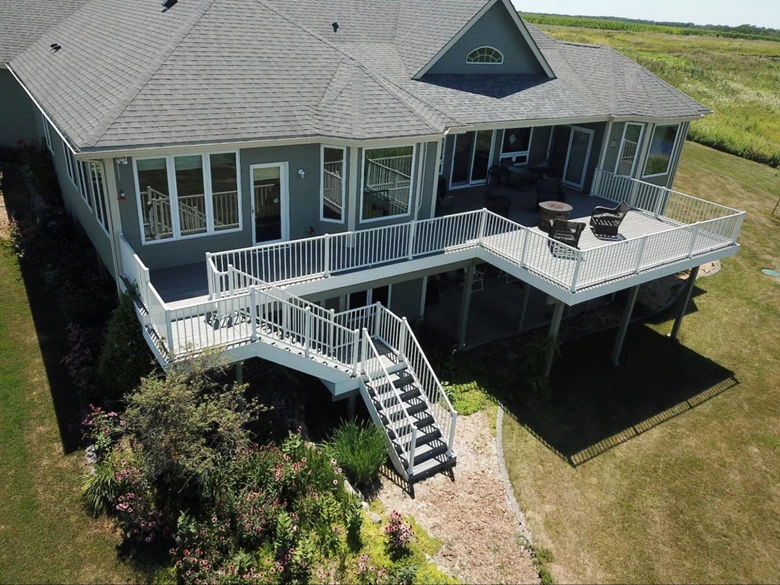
(539, 143)
(610, 159)
(74, 203)
(495, 29)
(406, 298)
(17, 113)
(595, 151)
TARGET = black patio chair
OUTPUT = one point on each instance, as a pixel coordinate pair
(498, 204)
(565, 232)
(605, 221)
(498, 172)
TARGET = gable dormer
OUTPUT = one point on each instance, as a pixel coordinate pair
(495, 41)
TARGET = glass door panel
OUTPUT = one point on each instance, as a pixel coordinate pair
(484, 142)
(577, 159)
(191, 194)
(461, 158)
(267, 203)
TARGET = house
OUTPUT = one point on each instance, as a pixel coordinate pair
(273, 178)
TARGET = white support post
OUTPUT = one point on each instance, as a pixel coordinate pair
(377, 318)
(640, 254)
(412, 448)
(526, 233)
(412, 233)
(524, 306)
(239, 373)
(482, 222)
(555, 326)
(211, 277)
(465, 305)
(451, 440)
(307, 332)
(686, 299)
(332, 318)
(624, 322)
(355, 348)
(253, 309)
(169, 332)
(576, 274)
(693, 239)
(285, 315)
(326, 255)
(402, 339)
(231, 277)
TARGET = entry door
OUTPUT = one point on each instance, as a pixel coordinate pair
(580, 143)
(269, 202)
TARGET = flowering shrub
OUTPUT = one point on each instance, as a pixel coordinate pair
(103, 429)
(138, 516)
(256, 515)
(399, 535)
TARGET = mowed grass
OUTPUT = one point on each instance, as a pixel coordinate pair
(724, 74)
(667, 468)
(45, 534)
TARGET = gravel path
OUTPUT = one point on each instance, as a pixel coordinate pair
(471, 516)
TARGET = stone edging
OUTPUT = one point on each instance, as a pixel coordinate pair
(510, 494)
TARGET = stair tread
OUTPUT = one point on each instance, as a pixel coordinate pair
(432, 466)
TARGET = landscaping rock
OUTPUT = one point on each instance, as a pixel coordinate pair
(374, 517)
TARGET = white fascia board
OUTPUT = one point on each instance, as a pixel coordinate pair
(152, 151)
(65, 140)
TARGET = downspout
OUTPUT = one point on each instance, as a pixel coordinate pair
(434, 192)
(420, 177)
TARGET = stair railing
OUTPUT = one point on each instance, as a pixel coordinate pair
(425, 377)
(386, 393)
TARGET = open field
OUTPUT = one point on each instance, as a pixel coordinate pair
(45, 534)
(667, 469)
(738, 79)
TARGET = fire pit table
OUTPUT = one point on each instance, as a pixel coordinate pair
(551, 210)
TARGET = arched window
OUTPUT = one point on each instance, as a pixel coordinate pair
(485, 55)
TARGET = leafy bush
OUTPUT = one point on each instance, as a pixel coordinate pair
(360, 450)
(100, 488)
(80, 359)
(103, 430)
(125, 358)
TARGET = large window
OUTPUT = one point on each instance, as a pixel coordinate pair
(629, 145)
(332, 184)
(485, 55)
(661, 150)
(188, 196)
(86, 193)
(47, 133)
(70, 165)
(387, 182)
(516, 145)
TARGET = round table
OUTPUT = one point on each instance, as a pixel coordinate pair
(551, 210)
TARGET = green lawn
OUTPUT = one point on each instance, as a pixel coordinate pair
(724, 74)
(45, 535)
(667, 469)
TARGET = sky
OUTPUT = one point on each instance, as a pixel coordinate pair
(764, 13)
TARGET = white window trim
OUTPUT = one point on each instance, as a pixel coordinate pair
(70, 161)
(98, 201)
(343, 150)
(515, 153)
(412, 183)
(284, 203)
(47, 134)
(84, 189)
(174, 196)
(484, 62)
(370, 297)
(642, 127)
(671, 155)
(471, 160)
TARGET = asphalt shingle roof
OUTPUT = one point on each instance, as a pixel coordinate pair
(130, 74)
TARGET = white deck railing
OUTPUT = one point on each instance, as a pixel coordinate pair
(695, 227)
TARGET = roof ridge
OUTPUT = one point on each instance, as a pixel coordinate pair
(113, 114)
(574, 70)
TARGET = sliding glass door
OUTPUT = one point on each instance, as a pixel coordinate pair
(471, 158)
(269, 202)
(580, 142)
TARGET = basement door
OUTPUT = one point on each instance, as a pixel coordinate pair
(270, 203)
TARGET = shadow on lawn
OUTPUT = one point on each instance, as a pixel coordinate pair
(594, 406)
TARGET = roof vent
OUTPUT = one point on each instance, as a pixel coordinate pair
(55, 47)
(166, 4)
(335, 26)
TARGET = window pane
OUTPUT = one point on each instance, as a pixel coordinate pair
(479, 170)
(661, 149)
(628, 149)
(387, 180)
(333, 184)
(155, 198)
(224, 190)
(190, 194)
(267, 190)
(516, 140)
(461, 161)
